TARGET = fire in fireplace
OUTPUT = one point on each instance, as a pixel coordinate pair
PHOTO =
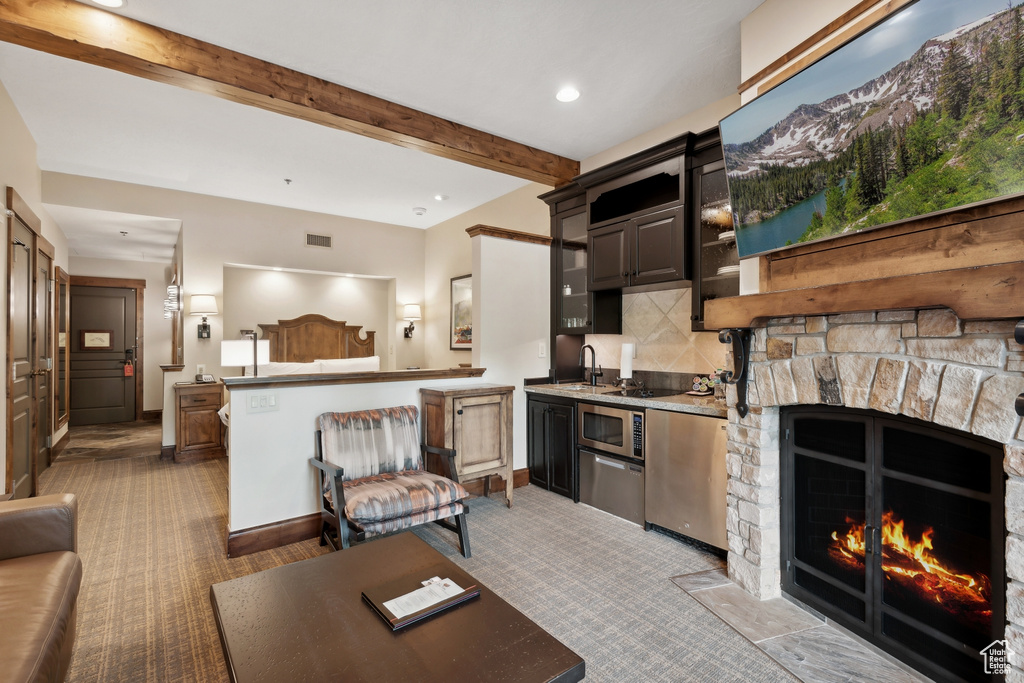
(911, 568)
(895, 528)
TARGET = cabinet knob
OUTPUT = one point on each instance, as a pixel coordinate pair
(459, 411)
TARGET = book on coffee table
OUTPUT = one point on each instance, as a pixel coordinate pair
(399, 606)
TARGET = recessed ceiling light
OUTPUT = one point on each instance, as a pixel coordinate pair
(109, 3)
(440, 197)
(568, 94)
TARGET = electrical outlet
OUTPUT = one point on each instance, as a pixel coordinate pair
(542, 350)
(200, 368)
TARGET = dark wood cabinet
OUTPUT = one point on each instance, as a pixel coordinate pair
(574, 307)
(641, 251)
(715, 259)
(550, 445)
(198, 431)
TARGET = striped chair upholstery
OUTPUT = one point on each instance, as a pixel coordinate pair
(372, 462)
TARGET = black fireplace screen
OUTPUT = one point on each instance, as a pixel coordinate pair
(896, 529)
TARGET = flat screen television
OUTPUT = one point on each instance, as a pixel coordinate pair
(921, 113)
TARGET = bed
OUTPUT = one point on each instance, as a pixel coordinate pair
(315, 344)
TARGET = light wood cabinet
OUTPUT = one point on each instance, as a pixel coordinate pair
(198, 431)
(477, 422)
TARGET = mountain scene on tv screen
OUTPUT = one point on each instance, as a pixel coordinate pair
(940, 129)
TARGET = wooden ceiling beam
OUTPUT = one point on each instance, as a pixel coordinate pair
(88, 34)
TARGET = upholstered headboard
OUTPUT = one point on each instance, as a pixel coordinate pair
(312, 337)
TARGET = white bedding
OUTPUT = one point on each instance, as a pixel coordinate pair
(317, 367)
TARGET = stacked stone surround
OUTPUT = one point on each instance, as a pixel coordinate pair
(924, 364)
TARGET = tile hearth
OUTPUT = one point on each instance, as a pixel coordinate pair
(813, 650)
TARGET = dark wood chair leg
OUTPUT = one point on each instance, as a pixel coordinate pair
(463, 532)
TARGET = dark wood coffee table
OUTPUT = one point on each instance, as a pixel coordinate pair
(307, 622)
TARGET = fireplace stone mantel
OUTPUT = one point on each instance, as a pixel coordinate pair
(927, 364)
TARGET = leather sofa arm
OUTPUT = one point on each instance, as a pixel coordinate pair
(43, 524)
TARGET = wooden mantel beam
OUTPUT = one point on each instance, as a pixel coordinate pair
(985, 292)
(89, 34)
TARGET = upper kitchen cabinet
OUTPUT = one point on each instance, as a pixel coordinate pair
(635, 215)
(640, 251)
(716, 261)
(575, 309)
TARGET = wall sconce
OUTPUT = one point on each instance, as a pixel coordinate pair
(204, 305)
(172, 304)
(412, 313)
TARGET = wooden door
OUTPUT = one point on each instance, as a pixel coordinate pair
(608, 251)
(537, 443)
(103, 343)
(479, 431)
(20, 399)
(659, 248)
(43, 338)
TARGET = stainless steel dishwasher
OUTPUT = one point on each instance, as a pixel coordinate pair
(686, 474)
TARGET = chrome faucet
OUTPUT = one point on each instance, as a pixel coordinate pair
(594, 374)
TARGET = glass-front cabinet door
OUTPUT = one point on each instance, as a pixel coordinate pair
(571, 293)
(717, 267)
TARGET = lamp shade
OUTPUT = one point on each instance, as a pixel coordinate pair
(412, 312)
(203, 304)
(235, 353)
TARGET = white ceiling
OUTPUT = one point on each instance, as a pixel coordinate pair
(494, 66)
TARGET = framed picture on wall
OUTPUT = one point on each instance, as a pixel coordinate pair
(96, 340)
(462, 313)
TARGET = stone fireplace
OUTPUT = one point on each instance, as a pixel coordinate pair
(922, 364)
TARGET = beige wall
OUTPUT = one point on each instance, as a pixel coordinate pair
(156, 331)
(694, 122)
(777, 26)
(20, 170)
(448, 253)
(217, 231)
(254, 296)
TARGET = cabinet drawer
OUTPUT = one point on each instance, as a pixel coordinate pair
(192, 400)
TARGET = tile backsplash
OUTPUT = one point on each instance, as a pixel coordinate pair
(659, 324)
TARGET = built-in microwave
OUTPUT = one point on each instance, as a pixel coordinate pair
(619, 431)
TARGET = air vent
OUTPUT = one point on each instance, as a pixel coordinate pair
(318, 240)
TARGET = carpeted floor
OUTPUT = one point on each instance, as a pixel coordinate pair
(152, 539)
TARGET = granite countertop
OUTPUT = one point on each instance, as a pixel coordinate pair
(605, 393)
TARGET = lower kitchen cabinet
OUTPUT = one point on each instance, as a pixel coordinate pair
(550, 445)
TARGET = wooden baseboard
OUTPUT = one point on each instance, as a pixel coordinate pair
(475, 487)
(152, 415)
(167, 452)
(193, 455)
(274, 535)
(59, 447)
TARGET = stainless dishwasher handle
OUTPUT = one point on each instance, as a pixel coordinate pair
(611, 463)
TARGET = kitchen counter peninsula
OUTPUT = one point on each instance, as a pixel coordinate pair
(606, 393)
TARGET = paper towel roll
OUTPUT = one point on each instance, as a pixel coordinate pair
(626, 364)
